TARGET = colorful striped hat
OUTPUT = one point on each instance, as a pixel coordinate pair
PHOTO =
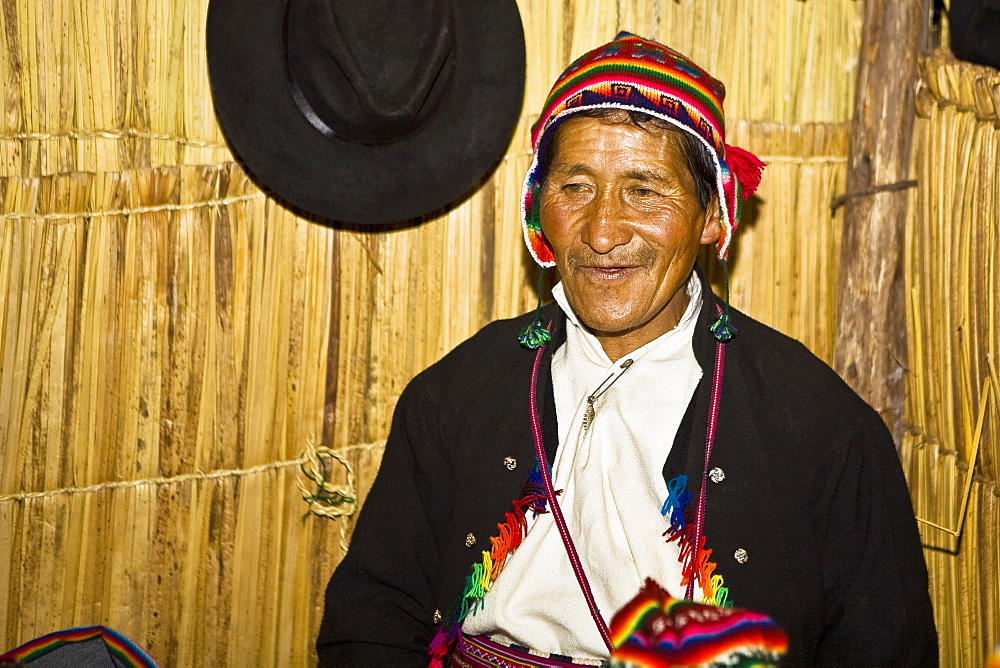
(88, 645)
(637, 74)
(640, 75)
(655, 630)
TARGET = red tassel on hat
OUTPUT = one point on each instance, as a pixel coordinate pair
(747, 168)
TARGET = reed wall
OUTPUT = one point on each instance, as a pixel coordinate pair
(175, 346)
(951, 449)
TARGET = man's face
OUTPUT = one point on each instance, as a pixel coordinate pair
(620, 211)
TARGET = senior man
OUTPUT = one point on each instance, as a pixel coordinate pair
(636, 428)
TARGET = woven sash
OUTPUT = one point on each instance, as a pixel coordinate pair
(481, 652)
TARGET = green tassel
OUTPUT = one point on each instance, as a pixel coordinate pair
(722, 329)
(536, 335)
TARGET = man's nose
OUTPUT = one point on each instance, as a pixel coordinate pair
(606, 226)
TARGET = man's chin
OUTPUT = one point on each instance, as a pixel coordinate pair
(608, 327)
(617, 316)
(632, 319)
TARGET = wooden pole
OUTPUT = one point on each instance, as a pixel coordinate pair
(870, 339)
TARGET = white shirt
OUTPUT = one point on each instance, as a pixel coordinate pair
(611, 471)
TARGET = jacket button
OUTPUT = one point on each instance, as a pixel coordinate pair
(741, 556)
(717, 475)
(470, 540)
(510, 463)
(437, 616)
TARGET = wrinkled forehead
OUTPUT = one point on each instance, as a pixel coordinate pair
(617, 136)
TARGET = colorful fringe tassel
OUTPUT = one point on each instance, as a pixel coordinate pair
(697, 566)
(510, 534)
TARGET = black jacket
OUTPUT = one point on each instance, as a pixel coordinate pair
(813, 492)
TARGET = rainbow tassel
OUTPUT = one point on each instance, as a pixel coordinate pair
(484, 573)
(696, 563)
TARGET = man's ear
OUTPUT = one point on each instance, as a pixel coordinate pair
(713, 223)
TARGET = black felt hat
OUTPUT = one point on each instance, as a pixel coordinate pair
(367, 111)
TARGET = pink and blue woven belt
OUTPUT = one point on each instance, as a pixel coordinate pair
(481, 652)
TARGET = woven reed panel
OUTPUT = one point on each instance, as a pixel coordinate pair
(164, 364)
(172, 341)
(953, 384)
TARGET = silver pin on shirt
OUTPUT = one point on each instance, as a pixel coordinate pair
(590, 413)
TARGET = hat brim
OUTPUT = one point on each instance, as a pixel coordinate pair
(345, 181)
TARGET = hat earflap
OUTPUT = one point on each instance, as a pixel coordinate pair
(742, 172)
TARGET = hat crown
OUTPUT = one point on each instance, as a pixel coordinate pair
(630, 68)
(373, 76)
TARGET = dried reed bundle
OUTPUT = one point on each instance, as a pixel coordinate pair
(953, 386)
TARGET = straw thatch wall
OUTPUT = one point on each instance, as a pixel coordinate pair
(951, 449)
(172, 342)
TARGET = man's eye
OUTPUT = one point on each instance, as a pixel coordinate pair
(574, 187)
(645, 192)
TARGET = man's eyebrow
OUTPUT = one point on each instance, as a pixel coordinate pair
(568, 169)
(565, 169)
(646, 175)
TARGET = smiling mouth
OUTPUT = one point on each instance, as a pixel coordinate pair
(608, 273)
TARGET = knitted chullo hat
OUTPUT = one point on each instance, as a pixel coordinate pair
(655, 630)
(636, 74)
